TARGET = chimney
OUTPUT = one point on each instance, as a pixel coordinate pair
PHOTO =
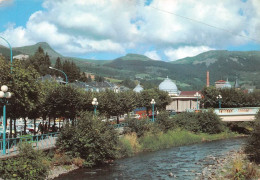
(207, 78)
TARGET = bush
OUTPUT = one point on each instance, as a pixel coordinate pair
(252, 147)
(164, 121)
(206, 122)
(90, 139)
(138, 126)
(30, 164)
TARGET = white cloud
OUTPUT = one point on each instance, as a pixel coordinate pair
(153, 55)
(186, 51)
(78, 27)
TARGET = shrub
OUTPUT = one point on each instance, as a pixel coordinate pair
(252, 147)
(90, 139)
(138, 126)
(60, 158)
(30, 164)
(164, 121)
(188, 121)
(128, 145)
(206, 122)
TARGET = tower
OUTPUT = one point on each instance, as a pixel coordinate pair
(207, 78)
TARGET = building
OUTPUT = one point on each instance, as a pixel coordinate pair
(138, 88)
(181, 100)
(169, 86)
(21, 57)
(223, 84)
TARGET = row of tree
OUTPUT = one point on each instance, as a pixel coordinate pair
(230, 98)
(33, 99)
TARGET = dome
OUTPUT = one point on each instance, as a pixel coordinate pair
(227, 85)
(138, 88)
(169, 86)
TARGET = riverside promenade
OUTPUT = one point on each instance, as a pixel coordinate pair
(40, 142)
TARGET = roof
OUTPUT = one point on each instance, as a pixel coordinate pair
(189, 93)
(220, 81)
(169, 86)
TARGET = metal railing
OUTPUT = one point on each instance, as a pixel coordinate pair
(231, 111)
(43, 141)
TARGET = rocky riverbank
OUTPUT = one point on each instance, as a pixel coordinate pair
(233, 165)
(56, 171)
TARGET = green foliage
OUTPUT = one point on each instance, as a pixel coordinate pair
(206, 122)
(91, 139)
(231, 98)
(164, 122)
(30, 164)
(253, 142)
(63, 101)
(140, 127)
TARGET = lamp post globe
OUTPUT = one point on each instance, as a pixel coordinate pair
(153, 103)
(95, 104)
(197, 94)
(4, 88)
(219, 97)
(4, 95)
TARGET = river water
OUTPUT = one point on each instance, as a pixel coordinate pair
(184, 162)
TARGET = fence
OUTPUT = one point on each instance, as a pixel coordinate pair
(44, 141)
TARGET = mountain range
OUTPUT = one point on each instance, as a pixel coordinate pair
(188, 73)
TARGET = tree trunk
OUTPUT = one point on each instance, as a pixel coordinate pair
(117, 119)
(34, 126)
(15, 134)
(49, 124)
(24, 128)
(11, 127)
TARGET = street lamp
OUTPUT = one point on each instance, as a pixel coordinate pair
(62, 72)
(95, 104)
(4, 95)
(11, 52)
(219, 97)
(198, 96)
(153, 103)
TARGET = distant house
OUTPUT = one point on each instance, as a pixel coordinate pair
(220, 84)
(21, 57)
(99, 86)
(48, 77)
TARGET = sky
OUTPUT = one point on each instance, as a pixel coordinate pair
(106, 29)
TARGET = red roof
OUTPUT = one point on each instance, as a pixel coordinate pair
(189, 93)
(220, 81)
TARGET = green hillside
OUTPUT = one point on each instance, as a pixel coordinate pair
(30, 50)
(6, 51)
(188, 73)
(138, 57)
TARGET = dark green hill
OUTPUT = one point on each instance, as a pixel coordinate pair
(6, 51)
(189, 73)
(30, 50)
(138, 57)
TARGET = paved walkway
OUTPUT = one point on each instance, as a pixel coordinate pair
(44, 144)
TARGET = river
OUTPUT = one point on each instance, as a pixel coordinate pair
(183, 162)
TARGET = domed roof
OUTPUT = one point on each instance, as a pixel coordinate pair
(169, 86)
(138, 88)
(227, 85)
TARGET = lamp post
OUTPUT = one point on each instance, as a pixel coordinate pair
(4, 95)
(11, 52)
(153, 103)
(62, 72)
(95, 104)
(219, 97)
(198, 96)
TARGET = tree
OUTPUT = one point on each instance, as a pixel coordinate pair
(40, 61)
(63, 101)
(253, 142)
(24, 87)
(91, 139)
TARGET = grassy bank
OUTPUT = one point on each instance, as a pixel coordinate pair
(130, 144)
